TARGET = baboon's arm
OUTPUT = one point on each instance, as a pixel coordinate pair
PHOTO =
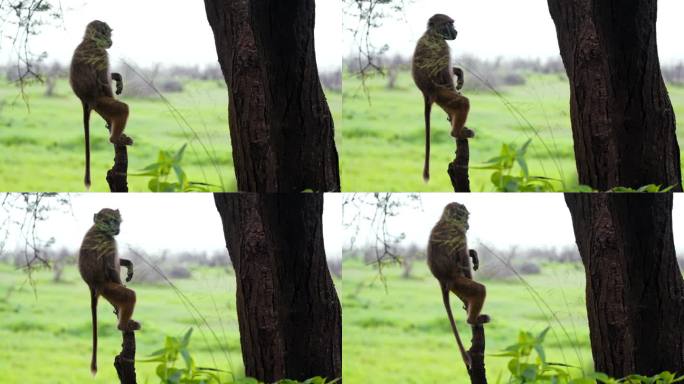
(129, 267)
(459, 76)
(119, 82)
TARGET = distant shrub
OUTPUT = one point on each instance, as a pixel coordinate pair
(335, 267)
(331, 80)
(529, 268)
(514, 79)
(179, 272)
(171, 86)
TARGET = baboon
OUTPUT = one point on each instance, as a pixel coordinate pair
(433, 75)
(100, 268)
(449, 260)
(90, 79)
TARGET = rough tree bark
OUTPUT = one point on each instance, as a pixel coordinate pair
(477, 373)
(280, 124)
(458, 169)
(635, 291)
(288, 310)
(124, 362)
(117, 177)
(622, 120)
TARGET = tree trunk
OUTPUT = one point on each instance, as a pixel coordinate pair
(635, 291)
(622, 120)
(288, 310)
(280, 124)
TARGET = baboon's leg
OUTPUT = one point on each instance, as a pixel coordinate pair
(115, 114)
(472, 293)
(124, 299)
(458, 107)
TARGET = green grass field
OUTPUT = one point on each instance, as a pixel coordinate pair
(41, 148)
(399, 333)
(45, 336)
(382, 146)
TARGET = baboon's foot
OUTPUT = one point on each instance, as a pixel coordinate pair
(466, 133)
(123, 140)
(131, 326)
(481, 319)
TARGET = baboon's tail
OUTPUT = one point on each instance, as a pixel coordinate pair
(93, 308)
(447, 306)
(426, 167)
(86, 128)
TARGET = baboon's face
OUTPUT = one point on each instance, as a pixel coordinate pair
(108, 221)
(456, 212)
(99, 32)
(443, 25)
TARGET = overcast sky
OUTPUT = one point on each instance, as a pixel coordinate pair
(500, 220)
(157, 222)
(177, 31)
(164, 31)
(492, 28)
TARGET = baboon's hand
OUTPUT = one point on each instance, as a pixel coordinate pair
(129, 275)
(459, 77)
(119, 82)
(475, 258)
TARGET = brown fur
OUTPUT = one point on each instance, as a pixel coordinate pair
(449, 261)
(432, 73)
(100, 268)
(90, 79)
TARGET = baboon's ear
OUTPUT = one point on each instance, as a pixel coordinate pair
(117, 211)
(95, 218)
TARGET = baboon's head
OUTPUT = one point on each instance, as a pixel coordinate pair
(108, 221)
(443, 25)
(456, 213)
(99, 32)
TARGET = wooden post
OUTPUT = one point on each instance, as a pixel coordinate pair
(458, 169)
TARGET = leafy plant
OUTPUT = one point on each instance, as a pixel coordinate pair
(503, 178)
(527, 367)
(161, 174)
(650, 188)
(168, 373)
(167, 357)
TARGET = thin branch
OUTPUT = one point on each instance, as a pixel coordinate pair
(117, 177)
(458, 169)
(124, 362)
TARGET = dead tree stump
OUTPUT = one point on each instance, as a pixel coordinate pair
(477, 372)
(117, 177)
(458, 169)
(124, 362)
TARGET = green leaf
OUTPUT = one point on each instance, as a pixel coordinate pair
(540, 337)
(178, 157)
(186, 338)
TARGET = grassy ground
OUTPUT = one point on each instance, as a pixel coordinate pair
(400, 333)
(45, 336)
(41, 149)
(382, 147)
